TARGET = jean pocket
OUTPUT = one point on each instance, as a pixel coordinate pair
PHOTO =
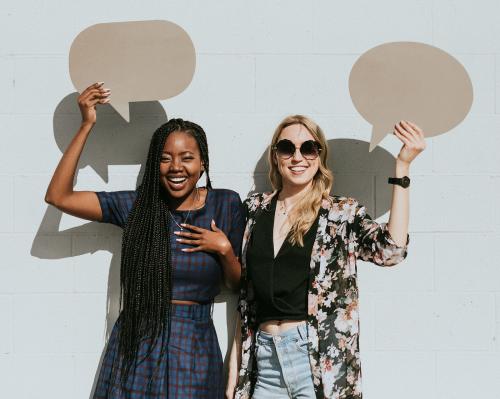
(302, 346)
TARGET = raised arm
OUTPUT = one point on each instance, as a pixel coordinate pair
(60, 194)
(413, 144)
(385, 244)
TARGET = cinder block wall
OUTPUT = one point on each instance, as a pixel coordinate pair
(430, 327)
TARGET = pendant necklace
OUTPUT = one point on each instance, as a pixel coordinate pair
(283, 209)
(189, 211)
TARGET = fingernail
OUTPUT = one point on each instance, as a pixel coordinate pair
(100, 83)
(177, 239)
(183, 224)
(176, 232)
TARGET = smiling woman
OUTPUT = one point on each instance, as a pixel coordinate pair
(181, 166)
(169, 278)
(298, 330)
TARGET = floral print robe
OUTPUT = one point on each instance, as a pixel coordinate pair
(345, 233)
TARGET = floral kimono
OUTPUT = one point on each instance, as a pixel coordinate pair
(345, 233)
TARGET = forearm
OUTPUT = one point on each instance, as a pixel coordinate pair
(61, 183)
(399, 214)
(231, 267)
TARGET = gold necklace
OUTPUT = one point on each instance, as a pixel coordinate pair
(189, 211)
(283, 209)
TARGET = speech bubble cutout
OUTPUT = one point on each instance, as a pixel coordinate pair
(138, 61)
(410, 81)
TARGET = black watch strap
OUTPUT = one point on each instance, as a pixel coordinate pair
(400, 181)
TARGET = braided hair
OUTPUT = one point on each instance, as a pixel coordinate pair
(146, 266)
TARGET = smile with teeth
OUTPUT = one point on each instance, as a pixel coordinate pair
(297, 169)
(177, 180)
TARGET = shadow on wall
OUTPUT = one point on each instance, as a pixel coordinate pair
(357, 173)
(112, 142)
(116, 142)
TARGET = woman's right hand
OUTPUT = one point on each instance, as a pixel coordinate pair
(234, 360)
(60, 193)
(90, 97)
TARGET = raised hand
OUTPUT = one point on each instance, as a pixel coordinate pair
(90, 97)
(413, 140)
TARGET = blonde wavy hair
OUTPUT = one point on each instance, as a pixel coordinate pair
(304, 213)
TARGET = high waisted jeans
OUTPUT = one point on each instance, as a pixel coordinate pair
(283, 365)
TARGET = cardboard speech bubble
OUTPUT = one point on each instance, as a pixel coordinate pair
(138, 61)
(410, 81)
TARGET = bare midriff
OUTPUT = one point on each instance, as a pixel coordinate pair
(179, 302)
(276, 327)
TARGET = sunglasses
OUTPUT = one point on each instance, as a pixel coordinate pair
(309, 149)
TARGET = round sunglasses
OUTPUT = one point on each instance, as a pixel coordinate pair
(309, 149)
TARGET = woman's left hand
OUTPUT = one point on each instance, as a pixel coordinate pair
(413, 139)
(214, 240)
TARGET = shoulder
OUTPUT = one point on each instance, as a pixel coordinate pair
(124, 197)
(227, 200)
(340, 202)
(225, 195)
(116, 205)
(340, 207)
(258, 200)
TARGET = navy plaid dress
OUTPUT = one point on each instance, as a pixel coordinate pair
(190, 360)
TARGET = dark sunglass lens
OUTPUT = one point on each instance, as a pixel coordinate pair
(309, 149)
(285, 148)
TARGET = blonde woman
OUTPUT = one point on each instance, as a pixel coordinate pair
(298, 330)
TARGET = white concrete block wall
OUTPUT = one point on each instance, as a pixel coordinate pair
(430, 326)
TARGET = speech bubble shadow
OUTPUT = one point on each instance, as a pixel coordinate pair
(410, 81)
(138, 61)
(112, 141)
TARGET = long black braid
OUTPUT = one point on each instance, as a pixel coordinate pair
(146, 267)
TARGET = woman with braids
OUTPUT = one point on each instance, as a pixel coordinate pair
(163, 344)
(297, 335)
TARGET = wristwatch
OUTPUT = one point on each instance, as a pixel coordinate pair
(402, 181)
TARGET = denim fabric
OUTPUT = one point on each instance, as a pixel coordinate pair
(283, 365)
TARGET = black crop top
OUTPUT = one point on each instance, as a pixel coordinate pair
(280, 284)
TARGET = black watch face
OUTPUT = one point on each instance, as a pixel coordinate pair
(405, 181)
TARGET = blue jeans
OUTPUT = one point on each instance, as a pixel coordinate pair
(283, 365)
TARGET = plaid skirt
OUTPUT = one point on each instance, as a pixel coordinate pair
(187, 365)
